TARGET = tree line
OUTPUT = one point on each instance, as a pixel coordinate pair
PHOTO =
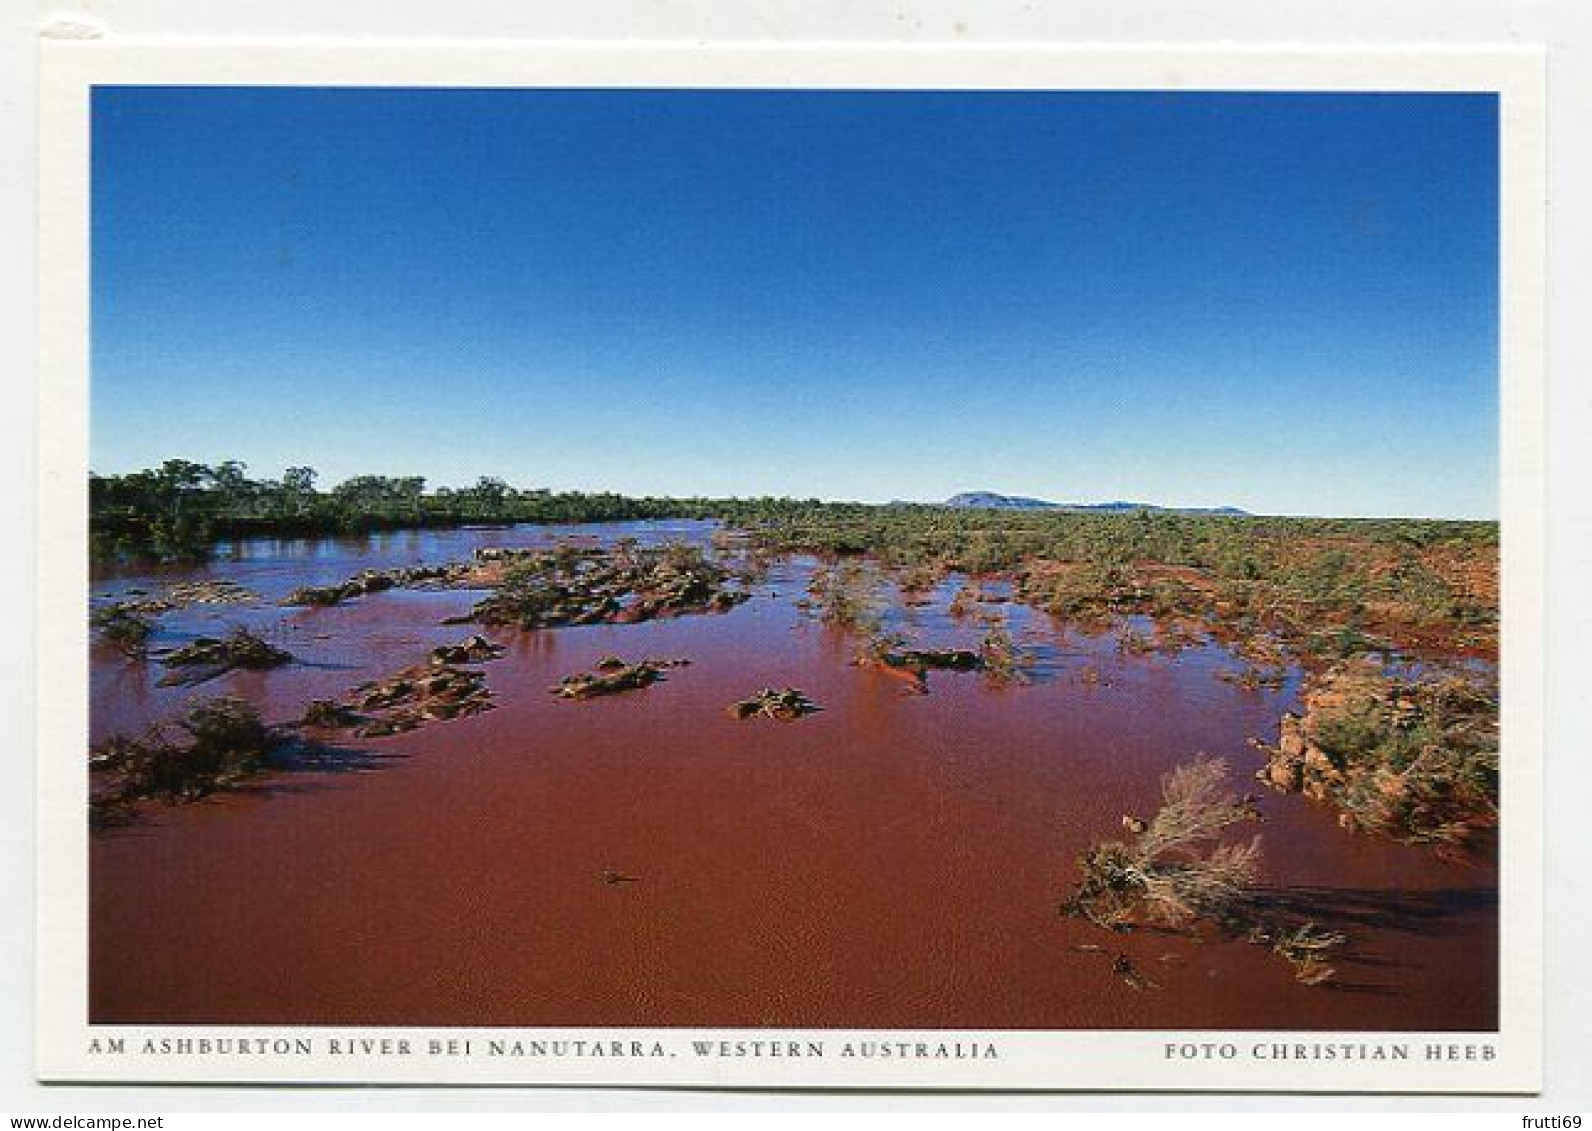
(181, 509)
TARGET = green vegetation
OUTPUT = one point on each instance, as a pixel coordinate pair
(1000, 657)
(208, 657)
(846, 594)
(178, 511)
(122, 627)
(613, 675)
(1332, 588)
(785, 703)
(1329, 587)
(1417, 760)
(574, 585)
(224, 742)
(1407, 757)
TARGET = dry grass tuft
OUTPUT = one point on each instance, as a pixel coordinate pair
(1178, 870)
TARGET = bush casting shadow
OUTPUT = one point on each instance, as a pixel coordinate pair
(221, 745)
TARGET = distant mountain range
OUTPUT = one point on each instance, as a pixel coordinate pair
(989, 500)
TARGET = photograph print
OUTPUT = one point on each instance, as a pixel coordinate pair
(944, 561)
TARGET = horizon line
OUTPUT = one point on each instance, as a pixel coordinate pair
(1130, 505)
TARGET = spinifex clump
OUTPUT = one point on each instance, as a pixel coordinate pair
(122, 627)
(379, 581)
(575, 585)
(471, 650)
(846, 594)
(225, 743)
(1176, 871)
(414, 696)
(326, 714)
(209, 591)
(891, 655)
(1000, 657)
(613, 675)
(786, 703)
(208, 657)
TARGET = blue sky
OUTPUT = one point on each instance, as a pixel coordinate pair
(1284, 302)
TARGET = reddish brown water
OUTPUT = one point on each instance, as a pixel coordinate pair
(893, 861)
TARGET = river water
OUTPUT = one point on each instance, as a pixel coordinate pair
(894, 860)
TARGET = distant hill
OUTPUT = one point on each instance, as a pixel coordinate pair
(989, 500)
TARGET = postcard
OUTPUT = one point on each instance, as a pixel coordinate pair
(971, 568)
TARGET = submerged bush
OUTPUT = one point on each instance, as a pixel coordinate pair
(576, 585)
(769, 703)
(122, 627)
(1002, 660)
(1177, 871)
(226, 742)
(846, 595)
(1177, 868)
(208, 657)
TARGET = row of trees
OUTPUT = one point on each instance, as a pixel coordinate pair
(179, 509)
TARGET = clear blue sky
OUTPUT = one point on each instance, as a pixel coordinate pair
(1282, 302)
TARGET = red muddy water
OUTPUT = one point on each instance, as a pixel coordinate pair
(892, 861)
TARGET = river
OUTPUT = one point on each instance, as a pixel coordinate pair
(894, 860)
